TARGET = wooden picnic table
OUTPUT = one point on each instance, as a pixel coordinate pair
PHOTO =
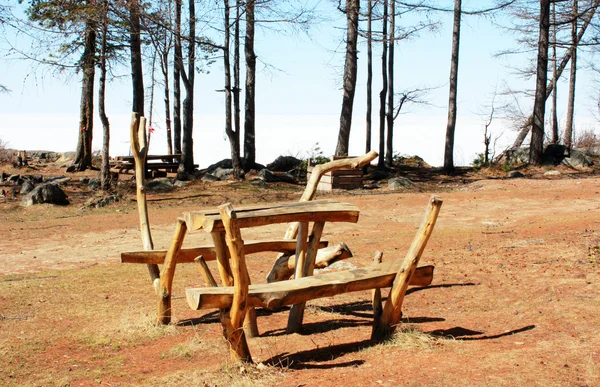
(130, 159)
(307, 244)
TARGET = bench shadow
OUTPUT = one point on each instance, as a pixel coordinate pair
(306, 359)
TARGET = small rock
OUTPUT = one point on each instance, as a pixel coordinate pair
(58, 180)
(514, 174)
(94, 184)
(223, 173)
(85, 180)
(15, 179)
(208, 178)
(27, 187)
(399, 183)
(181, 184)
(552, 173)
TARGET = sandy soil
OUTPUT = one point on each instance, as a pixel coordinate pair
(515, 298)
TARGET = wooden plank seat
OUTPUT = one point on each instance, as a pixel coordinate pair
(273, 296)
(240, 297)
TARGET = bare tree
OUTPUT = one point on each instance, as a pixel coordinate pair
(452, 105)
(350, 71)
(536, 150)
(249, 99)
(568, 135)
(105, 176)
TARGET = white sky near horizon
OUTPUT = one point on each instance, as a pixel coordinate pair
(298, 106)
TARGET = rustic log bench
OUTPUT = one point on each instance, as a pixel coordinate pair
(235, 301)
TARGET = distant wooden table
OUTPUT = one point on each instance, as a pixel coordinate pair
(317, 212)
(166, 163)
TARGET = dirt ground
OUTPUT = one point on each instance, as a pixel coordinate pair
(515, 299)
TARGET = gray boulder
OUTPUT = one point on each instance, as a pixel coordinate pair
(399, 183)
(271, 177)
(577, 159)
(161, 184)
(46, 193)
(93, 184)
(284, 164)
(222, 173)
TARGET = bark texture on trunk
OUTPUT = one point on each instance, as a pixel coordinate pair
(452, 105)
(83, 157)
(137, 78)
(232, 135)
(536, 149)
(568, 135)
(187, 149)
(350, 70)
(389, 153)
(554, 138)
(105, 176)
(384, 87)
(369, 75)
(178, 53)
(249, 108)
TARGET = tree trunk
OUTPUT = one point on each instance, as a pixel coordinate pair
(105, 176)
(237, 127)
(187, 149)
(231, 134)
(568, 135)
(83, 157)
(178, 52)
(350, 70)
(554, 139)
(452, 106)
(389, 154)
(536, 149)
(369, 75)
(384, 85)
(137, 78)
(164, 65)
(249, 108)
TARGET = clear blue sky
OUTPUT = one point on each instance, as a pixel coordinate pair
(299, 105)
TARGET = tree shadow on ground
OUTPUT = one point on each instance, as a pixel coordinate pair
(464, 334)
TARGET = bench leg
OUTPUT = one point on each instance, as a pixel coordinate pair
(392, 310)
(305, 268)
(166, 277)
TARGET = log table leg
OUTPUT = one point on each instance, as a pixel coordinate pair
(166, 277)
(304, 268)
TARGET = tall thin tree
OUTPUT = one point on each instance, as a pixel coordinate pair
(350, 71)
(536, 150)
(568, 135)
(249, 100)
(453, 92)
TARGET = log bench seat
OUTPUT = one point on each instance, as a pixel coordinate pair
(273, 296)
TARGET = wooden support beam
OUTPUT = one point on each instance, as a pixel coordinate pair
(392, 310)
(235, 334)
(284, 266)
(166, 277)
(306, 269)
(376, 293)
(205, 271)
(209, 253)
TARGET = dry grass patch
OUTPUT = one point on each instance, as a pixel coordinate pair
(409, 338)
(232, 375)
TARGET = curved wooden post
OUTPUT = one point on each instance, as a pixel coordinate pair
(139, 149)
(166, 278)
(392, 310)
(234, 332)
